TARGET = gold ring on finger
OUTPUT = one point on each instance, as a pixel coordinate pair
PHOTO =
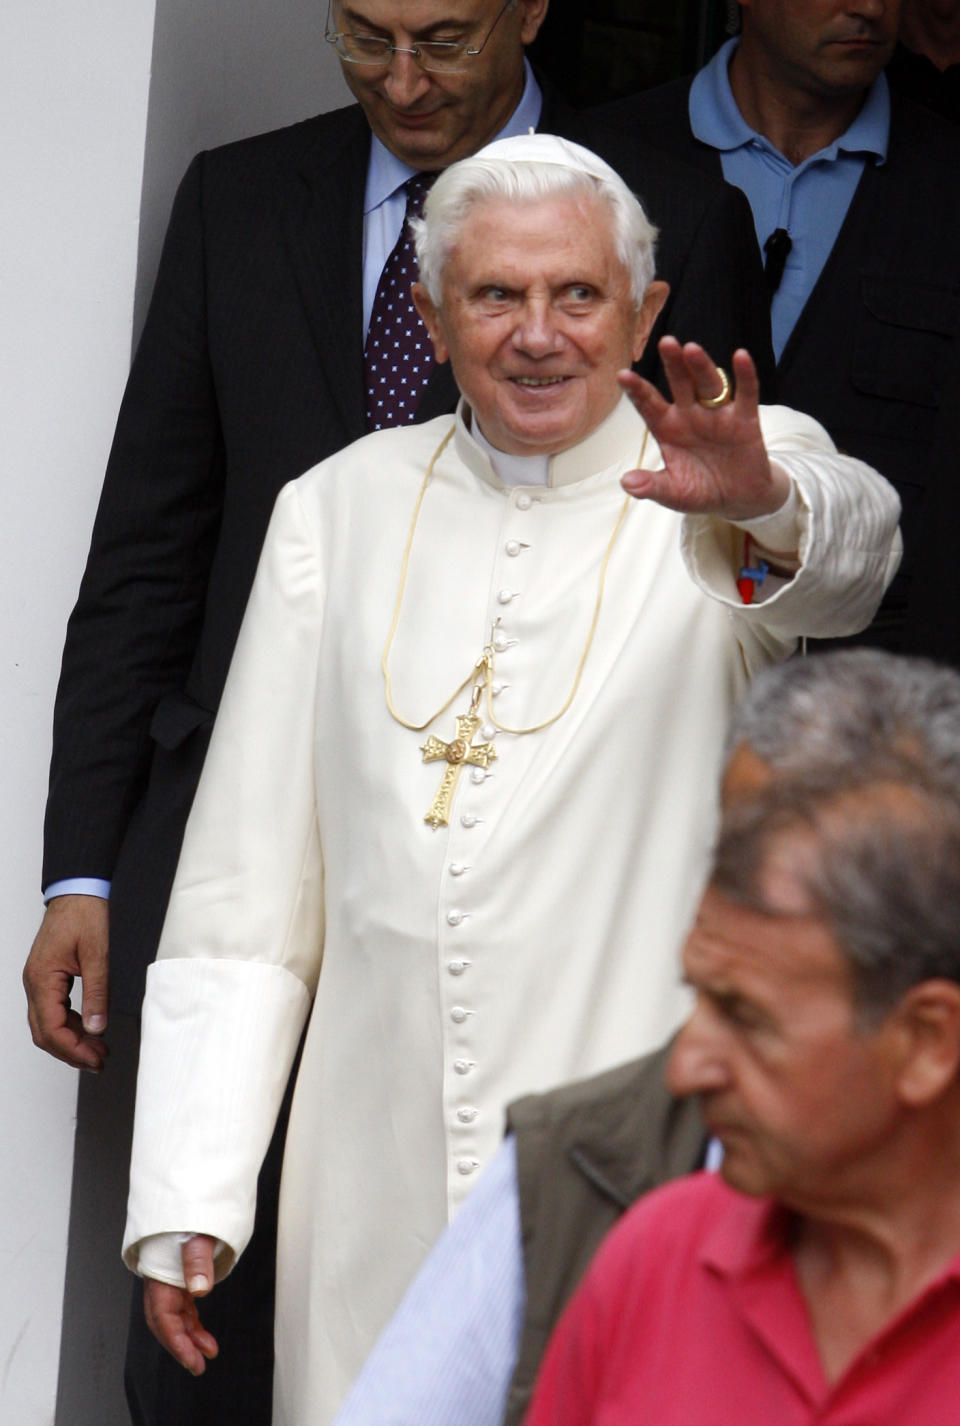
(722, 397)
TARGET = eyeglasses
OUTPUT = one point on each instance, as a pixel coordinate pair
(437, 56)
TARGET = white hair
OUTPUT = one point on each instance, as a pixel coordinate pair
(485, 179)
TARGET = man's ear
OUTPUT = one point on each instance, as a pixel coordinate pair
(653, 300)
(430, 316)
(929, 1022)
(533, 13)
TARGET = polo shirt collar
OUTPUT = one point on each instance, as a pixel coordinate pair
(714, 116)
(746, 1235)
(749, 1234)
(716, 120)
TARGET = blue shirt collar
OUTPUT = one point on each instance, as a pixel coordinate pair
(716, 120)
(386, 173)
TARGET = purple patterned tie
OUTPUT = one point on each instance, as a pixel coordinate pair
(398, 356)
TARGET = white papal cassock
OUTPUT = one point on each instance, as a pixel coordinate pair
(532, 940)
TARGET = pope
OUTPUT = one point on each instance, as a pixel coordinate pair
(457, 809)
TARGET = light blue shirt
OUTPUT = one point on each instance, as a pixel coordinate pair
(384, 208)
(385, 202)
(77, 886)
(810, 200)
(448, 1354)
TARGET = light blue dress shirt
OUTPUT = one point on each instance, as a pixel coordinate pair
(810, 200)
(448, 1353)
(78, 886)
(384, 208)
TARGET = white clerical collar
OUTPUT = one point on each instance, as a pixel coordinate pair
(617, 439)
(512, 470)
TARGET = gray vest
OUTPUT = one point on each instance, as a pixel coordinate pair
(585, 1153)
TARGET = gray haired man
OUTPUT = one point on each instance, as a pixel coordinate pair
(817, 1275)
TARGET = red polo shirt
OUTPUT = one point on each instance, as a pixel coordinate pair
(691, 1315)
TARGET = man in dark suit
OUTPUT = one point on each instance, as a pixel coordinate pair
(856, 198)
(249, 371)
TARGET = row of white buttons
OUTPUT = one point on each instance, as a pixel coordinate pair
(513, 548)
(466, 1114)
(501, 642)
(488, 732)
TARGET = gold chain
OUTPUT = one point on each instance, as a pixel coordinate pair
(481, 674)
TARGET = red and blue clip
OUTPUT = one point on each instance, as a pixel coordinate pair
(751, 576)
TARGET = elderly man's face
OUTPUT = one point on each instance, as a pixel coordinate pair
(822, 46)
(803, 1098)
(537, 318)
(430, 119)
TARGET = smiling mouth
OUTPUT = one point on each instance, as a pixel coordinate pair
(538, 380)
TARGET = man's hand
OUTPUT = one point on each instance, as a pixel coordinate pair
(73, 940)
(715, 461)
(171, 1312)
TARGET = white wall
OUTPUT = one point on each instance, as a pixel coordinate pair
(78, 113)
(73, 110)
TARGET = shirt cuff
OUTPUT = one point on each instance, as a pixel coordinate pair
(77, 886)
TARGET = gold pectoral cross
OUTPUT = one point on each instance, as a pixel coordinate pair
(455, 754)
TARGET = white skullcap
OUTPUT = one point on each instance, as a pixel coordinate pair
(548, 148)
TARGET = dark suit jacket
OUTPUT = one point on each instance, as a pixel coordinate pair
(249, 371)
(870, 350)
(933, 615)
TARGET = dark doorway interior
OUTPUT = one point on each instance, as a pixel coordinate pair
(594, 50)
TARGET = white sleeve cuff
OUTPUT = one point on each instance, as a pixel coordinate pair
(160, 1257)
(218, 1042)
